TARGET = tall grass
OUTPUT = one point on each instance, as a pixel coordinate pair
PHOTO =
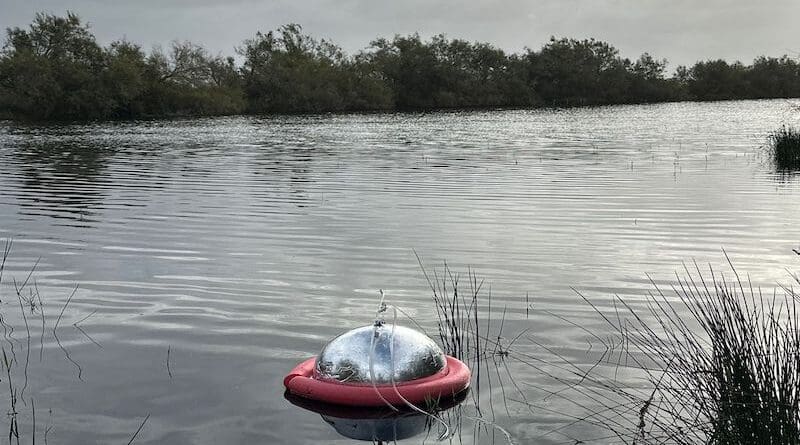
(784, 148)
(16, 350)
(721, 362)
(456, 311)
(710, 359)
(466, 331)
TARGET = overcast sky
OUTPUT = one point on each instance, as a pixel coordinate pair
(683, 31)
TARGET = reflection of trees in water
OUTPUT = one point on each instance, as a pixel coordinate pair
(61, 176)
(785, 177)
(289, 170)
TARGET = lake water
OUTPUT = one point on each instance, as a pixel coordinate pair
(212, 255)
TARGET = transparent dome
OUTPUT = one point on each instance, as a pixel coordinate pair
(399, 354)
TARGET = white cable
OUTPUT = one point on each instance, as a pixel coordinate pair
(378, 323)
(446, 432)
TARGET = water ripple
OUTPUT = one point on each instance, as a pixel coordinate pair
(243, 243)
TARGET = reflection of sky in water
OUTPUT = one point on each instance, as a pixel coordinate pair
(243, 244)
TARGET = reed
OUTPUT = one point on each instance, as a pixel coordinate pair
(457, 313)
(467, 331)
(784, 148)
(14, 363)
(720, 358)
(709, 359)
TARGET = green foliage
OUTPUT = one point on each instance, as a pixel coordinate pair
(51, 70)
(590, 72)
(55, 70)
(125, 78)
(716, 80)
(186, 80)
(769, 77)
(287, 71)
(446, 73)
(577, 72)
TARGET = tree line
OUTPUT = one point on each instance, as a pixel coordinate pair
(56, 70)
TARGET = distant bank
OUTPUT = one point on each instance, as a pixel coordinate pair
(55, 70)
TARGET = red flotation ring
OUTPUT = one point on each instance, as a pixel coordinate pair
(451, 380)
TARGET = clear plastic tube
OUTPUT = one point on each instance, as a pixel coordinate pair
(446, 432)
(379, 321)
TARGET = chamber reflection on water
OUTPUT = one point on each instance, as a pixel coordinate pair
(389, 425)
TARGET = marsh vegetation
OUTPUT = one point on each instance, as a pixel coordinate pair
(784, 147)
(716, 359)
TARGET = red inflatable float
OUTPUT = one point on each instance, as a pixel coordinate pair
(448, 382)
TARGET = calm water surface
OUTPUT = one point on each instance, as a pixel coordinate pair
(241, 245)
